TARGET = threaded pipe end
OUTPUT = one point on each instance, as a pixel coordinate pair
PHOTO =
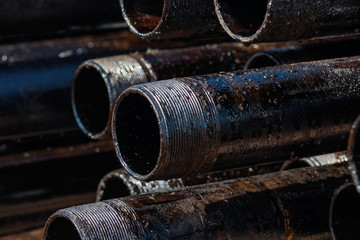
(111, 219)
(165, 129)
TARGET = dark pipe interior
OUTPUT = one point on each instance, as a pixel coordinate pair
(114, 188)
(62, 229)
(144, 15)
(296, 164)
(91, 100)
(260, 61)
(137, 132)
(243, 18)
(345, 214)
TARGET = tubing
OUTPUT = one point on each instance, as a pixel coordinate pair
(303, 53)
(118, 183)
(37, 16)
(98, 82)
(30, 193)
(282, 20)
(344, 213)
(184, 126)
(354, 152)
(316, 161)
(38, 78)
(167, 19)
(292, 204)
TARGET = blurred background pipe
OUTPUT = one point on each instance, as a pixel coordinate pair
(98, 82)
(354, 152)
(165, 19)
(282, 20)
(304, 53)
(316, 161)
(184, 126)
(344, 213)
(22, 17)
(119, 183)
(292, 204)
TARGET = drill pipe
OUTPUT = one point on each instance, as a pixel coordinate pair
(344, 213)
(292, 204)
(283, 20)
(30, 193)
(303, 53)
(189, 125)
(98, 82)
(118, 183)
(39, 16)
(166, 19)
(38, 78)
(354, 152)
(316, 161)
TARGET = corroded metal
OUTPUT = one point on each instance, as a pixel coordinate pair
(98, 82)
(315, 161)
(292, 204)
(283, 20)
(171, 18)
(344, 213)
(119, 183)
(188, 125)
(304, 53)
(354, 152)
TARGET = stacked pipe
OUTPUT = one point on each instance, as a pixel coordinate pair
(212, 134)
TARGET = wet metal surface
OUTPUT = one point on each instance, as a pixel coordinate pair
(99, 82)
(354, 152)
(236, 119)
(284, 20)
(315, 161)
(291, 204)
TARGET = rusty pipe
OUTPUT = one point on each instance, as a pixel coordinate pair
(167, 19)
(344, 213)
(282, 20)
(189, 125)
(354, 152)
(98, 82)
(303, 53)
(292, 204)
(315, 161)
(118, 183)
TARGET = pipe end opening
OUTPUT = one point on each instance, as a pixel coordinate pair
(241, 18)
(61, 228)
(113, 187)
(91, 101)
(137, 134)
(143, 16)
(345, 212)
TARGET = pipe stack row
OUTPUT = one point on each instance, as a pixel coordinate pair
(230, 120)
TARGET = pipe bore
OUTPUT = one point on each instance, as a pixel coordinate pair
(137, 134)
(143, 16)
(241, 18)
(90, 101)
(344, 213)
(62, 228)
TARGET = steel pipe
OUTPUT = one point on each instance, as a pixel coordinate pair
(292, 204)
(283, 20)
(344, 213)
(119, 183)
(184, 126)
(303, 53)
(98, 82)
(315, 161)
(354, 152)
(172, 19)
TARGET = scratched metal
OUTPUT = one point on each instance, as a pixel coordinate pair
(284, 20)
(315, 161)
(162, 19)
(344, 213)
(183, 126)
(98, 82)
(292, 204)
